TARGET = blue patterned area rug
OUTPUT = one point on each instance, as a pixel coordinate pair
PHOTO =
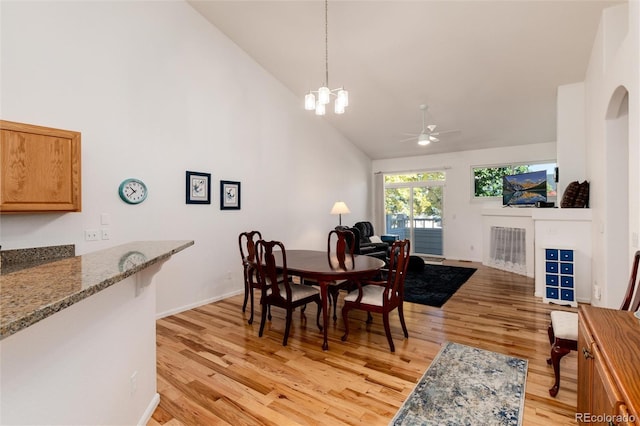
(467, 386)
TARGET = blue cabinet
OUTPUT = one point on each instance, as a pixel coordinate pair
(559, 276)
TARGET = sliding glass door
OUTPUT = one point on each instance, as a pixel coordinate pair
(413, 209)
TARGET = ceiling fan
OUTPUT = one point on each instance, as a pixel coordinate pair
(428, 133)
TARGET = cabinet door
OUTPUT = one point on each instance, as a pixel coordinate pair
(40, 169)
(585, 368)
(606, 398)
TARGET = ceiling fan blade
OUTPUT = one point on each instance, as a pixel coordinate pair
(413, 138)
(433, 139)
(443, 132)
(431, 127)
(411, 134)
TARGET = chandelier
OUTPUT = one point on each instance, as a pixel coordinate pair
(324, 94)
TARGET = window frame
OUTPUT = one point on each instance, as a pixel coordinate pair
(477, 198)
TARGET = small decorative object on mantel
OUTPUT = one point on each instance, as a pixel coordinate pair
(229, 195)
(198, 188)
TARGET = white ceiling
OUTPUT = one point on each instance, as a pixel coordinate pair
(489, 69)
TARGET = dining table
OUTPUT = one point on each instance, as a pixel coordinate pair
(325, 268)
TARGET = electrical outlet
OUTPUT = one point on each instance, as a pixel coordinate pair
(106, 233)
(597, 293)
(91, 235)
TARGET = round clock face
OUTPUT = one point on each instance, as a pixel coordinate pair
(132, 191)
(130, 260)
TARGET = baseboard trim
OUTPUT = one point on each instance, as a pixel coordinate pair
(146, 416)
(196, 304)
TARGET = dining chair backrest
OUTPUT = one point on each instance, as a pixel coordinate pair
(340, 243)
(270, 274)
(629, 303)
(247, 243)
(398, 264)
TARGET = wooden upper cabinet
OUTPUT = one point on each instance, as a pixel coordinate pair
(40, 169)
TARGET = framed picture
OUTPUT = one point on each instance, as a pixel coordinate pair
(229, 195)
(198, 188)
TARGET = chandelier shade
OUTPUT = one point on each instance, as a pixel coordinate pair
(324, 93)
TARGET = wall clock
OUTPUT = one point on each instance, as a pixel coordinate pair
(132, 191)
(130, 260)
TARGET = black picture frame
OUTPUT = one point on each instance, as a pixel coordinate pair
(198, 188)
(229, 195)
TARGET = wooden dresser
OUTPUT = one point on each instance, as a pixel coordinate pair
(608, 367)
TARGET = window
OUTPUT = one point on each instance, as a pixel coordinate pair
(413, 209)
(487, 181)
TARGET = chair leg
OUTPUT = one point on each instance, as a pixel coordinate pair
(246, 291)
(557, 352)
(334, 295)
(387, 330)
(345, 319)
(264, 318)
(401, 315)
(318, 315)
(369, 318)
(288, 327)
(251, 316)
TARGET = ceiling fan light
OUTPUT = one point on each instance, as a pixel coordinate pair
(423, 139)
(324, 95)
(309, 102)
(343, 97)
(320, 109)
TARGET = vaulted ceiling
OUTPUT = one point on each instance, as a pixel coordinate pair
(488, 70)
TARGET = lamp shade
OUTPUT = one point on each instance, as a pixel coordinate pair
(340, 208)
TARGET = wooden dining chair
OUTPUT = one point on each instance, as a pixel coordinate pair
(247, 243)
(382, 296)
(277, 289)
(563, 330)
(340, 245)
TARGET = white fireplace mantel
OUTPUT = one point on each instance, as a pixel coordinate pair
(545, 228)
(509, 217)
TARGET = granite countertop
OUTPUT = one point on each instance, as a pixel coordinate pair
(31, 295)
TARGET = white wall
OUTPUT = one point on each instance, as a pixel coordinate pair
(75, 367)
(156, 90)
(570, 130)
(462, 221)
(614, 62)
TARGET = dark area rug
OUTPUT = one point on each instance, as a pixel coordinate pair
(435, 284)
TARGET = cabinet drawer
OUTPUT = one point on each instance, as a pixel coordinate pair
(552, 267)
(566, 268)
(566, 255)
(566, 281)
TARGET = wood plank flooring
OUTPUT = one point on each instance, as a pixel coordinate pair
(214, 369)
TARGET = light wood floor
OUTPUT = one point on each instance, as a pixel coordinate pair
(214, 369)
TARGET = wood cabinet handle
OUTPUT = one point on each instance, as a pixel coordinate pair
(586, 353)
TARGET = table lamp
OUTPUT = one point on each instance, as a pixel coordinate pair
(339, 208)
